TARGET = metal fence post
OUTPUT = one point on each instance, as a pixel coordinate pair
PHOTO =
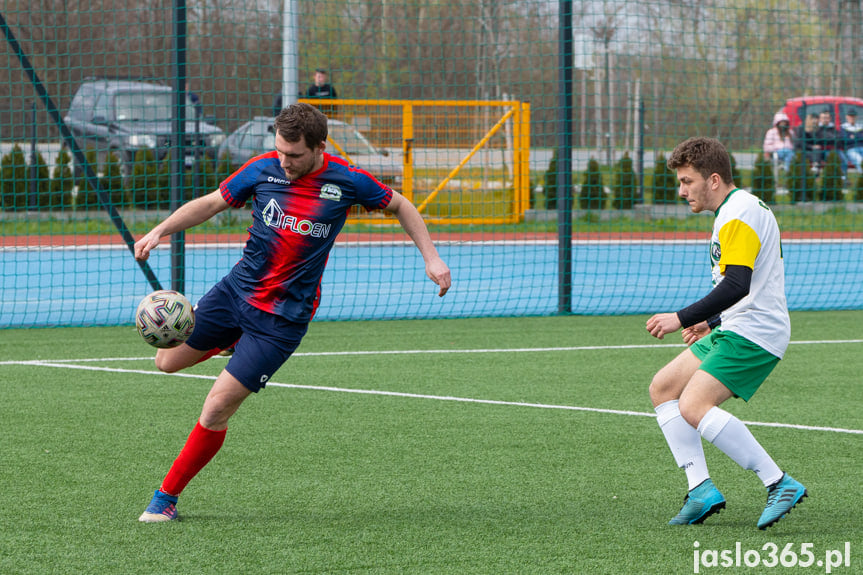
(564, 165)
(178, 147)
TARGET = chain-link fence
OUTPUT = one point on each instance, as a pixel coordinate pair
(112, 115)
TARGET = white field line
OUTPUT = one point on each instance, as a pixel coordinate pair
(438, 351)
(75, 364)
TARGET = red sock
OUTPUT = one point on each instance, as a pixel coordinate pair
(200, 448)
(210, 353)
(215, 351)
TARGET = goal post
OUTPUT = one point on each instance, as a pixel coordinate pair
(458, 161)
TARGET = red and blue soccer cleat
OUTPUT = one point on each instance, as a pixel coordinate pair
(162, 507)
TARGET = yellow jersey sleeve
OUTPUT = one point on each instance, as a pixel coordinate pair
(740, 245)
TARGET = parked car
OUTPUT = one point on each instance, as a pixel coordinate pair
(256, 137)
(798, 108)
(123, 116)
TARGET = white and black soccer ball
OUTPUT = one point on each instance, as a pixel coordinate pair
(165, 318)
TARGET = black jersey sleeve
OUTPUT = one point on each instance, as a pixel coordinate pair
(733, 288)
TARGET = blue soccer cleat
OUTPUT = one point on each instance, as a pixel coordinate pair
(782, 496)
(699, 504)
(162, 507)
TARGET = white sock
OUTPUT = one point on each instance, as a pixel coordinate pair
(684, 441)
(735, 440)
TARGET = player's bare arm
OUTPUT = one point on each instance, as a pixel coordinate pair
(412, 222)
(186, 216)
(662, 324)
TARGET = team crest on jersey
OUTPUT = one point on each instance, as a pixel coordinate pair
(715, 251)
(331, 192)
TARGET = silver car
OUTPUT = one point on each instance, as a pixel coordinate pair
(256, 137)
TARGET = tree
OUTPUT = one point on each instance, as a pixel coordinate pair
(592, 194)
(208, 179)
(13, 189)
(223, 169)
(43, 184)
(664, 182)
(62, 182)
(831, 179)
(112, 180)
(145, 187)
(163, 176)
(763, 182)
(735, 173)
(801, 179)
(604, 31)
(92, 159)
(625, 185)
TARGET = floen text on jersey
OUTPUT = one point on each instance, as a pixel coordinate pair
(294, 226)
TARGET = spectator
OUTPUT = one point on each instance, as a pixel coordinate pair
(195, 100)
(321, 89)
(778, 142)
(852, 136)
(805, 141)
(830, 139)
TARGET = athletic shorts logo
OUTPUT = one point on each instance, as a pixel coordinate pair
(331, 192)
(264, 378)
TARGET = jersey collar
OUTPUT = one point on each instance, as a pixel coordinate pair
(725, 200)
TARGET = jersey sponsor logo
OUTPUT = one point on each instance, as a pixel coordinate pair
(331, 192)
(274, 216)
(273, 213)
(274, 180)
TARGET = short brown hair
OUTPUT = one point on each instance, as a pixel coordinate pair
(705, 155)
(299, 121)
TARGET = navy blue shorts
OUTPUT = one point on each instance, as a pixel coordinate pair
(264, 341)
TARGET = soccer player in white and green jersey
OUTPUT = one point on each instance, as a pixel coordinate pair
(736, 335)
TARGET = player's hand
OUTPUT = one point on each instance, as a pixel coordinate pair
(663, 323)
(695, 332)
(145, 244)
(439, 273)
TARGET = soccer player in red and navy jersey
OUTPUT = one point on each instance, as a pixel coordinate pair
(300, 200)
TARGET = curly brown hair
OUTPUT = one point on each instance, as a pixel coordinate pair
(705, 155)
(299, 121)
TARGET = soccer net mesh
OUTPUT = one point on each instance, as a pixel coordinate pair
(460, 105)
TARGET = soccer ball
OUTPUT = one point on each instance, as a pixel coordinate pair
(165, 318)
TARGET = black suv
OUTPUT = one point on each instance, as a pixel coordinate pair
(124, 116)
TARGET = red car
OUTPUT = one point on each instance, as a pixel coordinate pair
(798, 108)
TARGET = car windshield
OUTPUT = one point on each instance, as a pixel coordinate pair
(147, 107)
(350, 140)
(259, 137)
